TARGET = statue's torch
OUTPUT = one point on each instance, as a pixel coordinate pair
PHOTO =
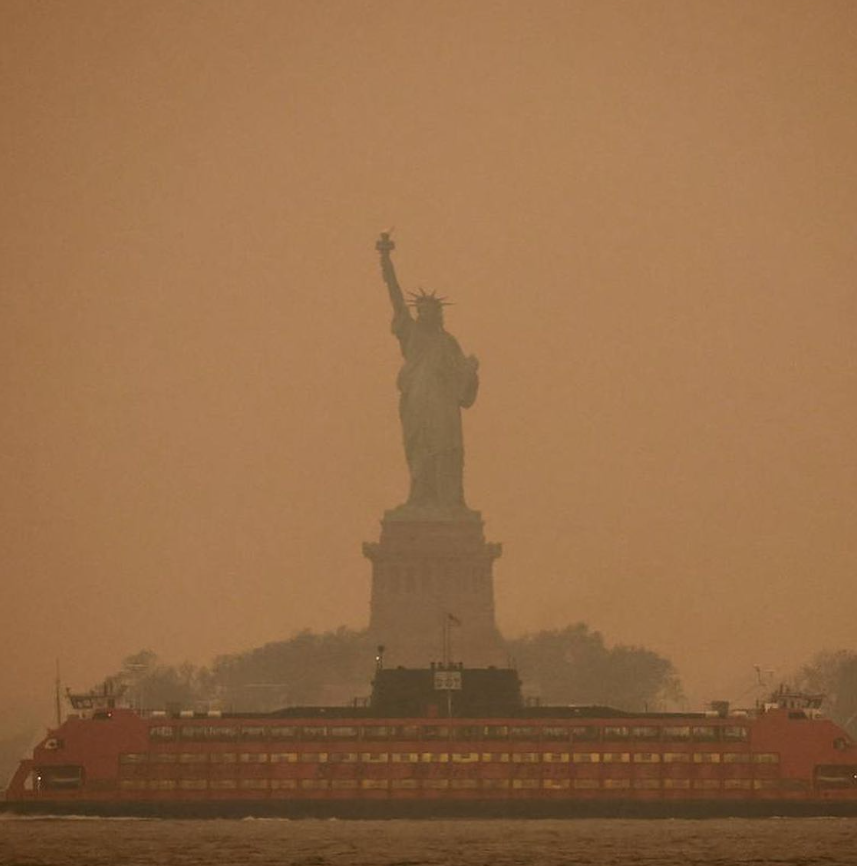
(385, 244)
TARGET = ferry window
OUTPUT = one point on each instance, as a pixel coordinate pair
(495, 732)
(616, 757)
(283, 732)
(193, 758)
(193, 784)
(525, 757)
(164, 758)
(253, 758)
(586, 783)
(342, 784)
(551, 733)
(343, 732)
(681, 784)
(556, 783)
(586, 757)
(435, 783)
(435, 732)
(313, 757)
(193, 732)
(617, 783)
(737, 784)
(495, 757)
(281, 784)
(314, 784)
(765, 784)
(162, 732)
(59, 778)
(647, 784)
(407, 784)
(374, 757)
(555, 757)
(466, 732)
(495, 783)
(198, 733)
(645, 732)
(465, 757)
(284, 757)
(647, 758)
(342, 757)
(404, 757)
(407, 732)
(313, 732)
(836, 776)
(705, 733)
(736, 758)
(525, 783)
(706, 784)
(222, 733)
(706, 758)
(378, 732)
(524, 732)
(766, 758)
(253, 784)
(585, 733)
(254, 733)
(223, 757)
(222, 784)
(616, 732)
(434, 758)
(133, 784)
(374, 783)
(162, 784)
(133, 758)
(735, 733)
(465, 783)
(676, 758)
(675, 733)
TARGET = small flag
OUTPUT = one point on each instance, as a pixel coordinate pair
(454, 620)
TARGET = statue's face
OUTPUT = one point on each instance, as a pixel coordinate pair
(430, 313)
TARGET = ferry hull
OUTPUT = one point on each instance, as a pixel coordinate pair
(435, 809)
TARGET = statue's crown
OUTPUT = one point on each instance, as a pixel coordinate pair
(423, 297)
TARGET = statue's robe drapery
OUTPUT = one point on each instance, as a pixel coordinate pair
(435, 382)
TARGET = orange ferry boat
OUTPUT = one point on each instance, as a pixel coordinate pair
(441, 741)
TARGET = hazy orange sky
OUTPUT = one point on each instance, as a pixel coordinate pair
(645, 213)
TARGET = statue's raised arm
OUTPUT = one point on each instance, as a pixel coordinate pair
(385, 246)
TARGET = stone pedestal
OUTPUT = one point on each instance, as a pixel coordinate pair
(424, 569)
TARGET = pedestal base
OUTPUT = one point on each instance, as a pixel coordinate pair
(428, 574)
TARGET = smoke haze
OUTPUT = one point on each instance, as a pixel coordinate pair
(644, 213)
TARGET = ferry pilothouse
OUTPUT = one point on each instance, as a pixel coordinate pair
(441, 741)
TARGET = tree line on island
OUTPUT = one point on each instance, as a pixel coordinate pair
(572, 665)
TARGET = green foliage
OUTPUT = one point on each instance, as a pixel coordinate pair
(834, 674)
(570, 665)
(150, 684)
(309, 669)
(574, 666)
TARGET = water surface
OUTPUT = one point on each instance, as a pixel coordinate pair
(258, 842)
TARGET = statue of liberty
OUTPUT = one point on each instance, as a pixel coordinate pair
(435, 382)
